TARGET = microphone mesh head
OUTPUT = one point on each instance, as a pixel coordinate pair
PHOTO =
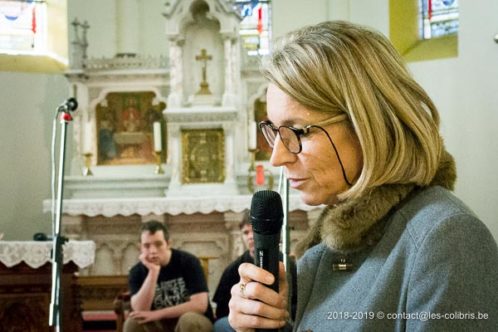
(266, 212)
(72, 104)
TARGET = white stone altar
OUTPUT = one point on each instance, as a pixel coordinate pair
(203, 93)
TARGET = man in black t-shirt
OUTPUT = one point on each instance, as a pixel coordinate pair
(168, 288)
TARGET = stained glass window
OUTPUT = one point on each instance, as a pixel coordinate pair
(438, 18)
(255, 28)
(23, 26)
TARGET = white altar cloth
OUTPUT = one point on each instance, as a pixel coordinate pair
(37, 253)
(109, 207)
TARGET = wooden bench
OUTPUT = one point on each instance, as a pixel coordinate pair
(97, 298)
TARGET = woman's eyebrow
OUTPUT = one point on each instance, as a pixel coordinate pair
(293, 121)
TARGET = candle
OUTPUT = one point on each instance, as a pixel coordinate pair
(157, 136)
(87, 138)
(253, 138)
(260, 175)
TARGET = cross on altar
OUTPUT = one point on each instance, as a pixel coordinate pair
(204, 57)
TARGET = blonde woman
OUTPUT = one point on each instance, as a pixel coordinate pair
(394, 250)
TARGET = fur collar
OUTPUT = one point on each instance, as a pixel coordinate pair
(354, 223)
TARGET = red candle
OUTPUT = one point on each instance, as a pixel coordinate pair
(260, 175)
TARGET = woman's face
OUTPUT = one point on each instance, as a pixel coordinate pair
(315, 171)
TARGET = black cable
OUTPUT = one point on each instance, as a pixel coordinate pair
(336, 153)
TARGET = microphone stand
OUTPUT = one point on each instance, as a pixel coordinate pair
(284, 182)
(58, 241)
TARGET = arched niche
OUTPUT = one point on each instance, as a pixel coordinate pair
(203, 33)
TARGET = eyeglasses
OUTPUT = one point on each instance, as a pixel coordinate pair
(290, 136)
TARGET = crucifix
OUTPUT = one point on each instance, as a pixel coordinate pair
(204, 57)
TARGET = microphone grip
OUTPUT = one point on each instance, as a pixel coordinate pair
(266, 256)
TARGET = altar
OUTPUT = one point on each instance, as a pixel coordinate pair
(171, 138)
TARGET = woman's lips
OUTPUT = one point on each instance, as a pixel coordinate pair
(296, 183)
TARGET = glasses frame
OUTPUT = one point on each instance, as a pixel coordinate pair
(299, 132)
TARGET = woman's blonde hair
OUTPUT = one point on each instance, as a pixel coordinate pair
(339, 67)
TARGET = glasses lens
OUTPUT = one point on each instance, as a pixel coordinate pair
(269, 133)
(290, 139)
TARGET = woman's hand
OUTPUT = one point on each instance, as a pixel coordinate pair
(254, 305)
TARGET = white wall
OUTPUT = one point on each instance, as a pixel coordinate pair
(104, 29)
(463, 88)
(28, 105)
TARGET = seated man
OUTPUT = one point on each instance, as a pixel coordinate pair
(231, 276)
(168, 288)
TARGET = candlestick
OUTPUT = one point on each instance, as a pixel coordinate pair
(88, 162)
(253, 138)
(250, 171)
(87, 138)
(159, 168)
(157, 136)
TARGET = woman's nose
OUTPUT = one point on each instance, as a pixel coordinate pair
(280, 155)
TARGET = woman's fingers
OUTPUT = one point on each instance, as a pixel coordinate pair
(254, 304)
(258, 308)
(256, 291)
(247, 313)
(250, 272)
(243, 322)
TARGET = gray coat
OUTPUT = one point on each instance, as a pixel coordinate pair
(433, 268)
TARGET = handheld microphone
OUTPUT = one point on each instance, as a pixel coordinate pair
(68, 105)
(266, 218)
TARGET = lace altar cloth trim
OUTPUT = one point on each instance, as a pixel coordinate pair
(37, 253)
(109, 207)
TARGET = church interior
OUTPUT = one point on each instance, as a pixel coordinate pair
(169, 94)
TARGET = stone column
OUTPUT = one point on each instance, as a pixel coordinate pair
(236, 246)
(232, 72)
(175, 98)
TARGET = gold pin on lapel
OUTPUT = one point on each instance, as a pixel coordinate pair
(343, 265)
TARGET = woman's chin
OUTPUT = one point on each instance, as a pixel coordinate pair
(310, 199)
(313, 199)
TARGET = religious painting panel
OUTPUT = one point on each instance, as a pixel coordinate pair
(264, 150)
(203, 152)
(125, 129)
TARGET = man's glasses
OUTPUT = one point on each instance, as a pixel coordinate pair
(290, 136)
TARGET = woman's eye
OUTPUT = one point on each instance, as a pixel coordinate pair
(304, 133)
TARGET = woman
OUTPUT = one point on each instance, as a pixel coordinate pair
(393, 249)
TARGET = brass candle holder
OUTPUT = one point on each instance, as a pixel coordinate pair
(159, 168)
(87, 171)
(251, 172)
